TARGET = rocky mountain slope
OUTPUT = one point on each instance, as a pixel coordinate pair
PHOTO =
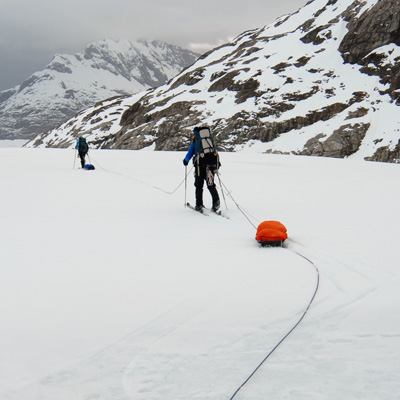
(323, 81)
(71, 83)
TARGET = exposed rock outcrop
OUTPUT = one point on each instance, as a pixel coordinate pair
(376, 27)
(344, 142)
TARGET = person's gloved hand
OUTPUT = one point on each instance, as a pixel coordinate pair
(185, 163)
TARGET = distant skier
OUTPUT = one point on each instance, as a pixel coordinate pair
(83, 148)
(206, 162)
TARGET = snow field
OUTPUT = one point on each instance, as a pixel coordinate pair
(112, 289)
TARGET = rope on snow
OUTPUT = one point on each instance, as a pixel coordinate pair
(300, 319)
(145, 183)
(237, 205)
(247, 217)
(290, 331)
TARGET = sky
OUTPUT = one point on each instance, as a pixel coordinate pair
(32, 32)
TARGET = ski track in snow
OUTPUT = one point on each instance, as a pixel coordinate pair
(114, 368)
(206, 339)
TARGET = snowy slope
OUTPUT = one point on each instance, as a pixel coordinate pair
(111, 289)
(70, 83)
(284, 88)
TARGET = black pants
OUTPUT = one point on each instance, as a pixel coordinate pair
(205, 173)
(82, 157)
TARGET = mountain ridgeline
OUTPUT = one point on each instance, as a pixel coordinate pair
(71, 83)
(323, 81)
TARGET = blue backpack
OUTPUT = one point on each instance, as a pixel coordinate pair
(82, 145)
(203, 142)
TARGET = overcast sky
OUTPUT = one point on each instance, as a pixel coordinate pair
(33, 31)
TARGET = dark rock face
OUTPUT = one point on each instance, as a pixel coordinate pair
(344, 142)
(376, 27)
(168, 132)
(384, 154)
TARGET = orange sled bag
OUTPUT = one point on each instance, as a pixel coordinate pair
(271, 233)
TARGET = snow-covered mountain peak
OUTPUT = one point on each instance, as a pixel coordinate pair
(70, 83)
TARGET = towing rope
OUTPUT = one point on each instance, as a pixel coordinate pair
(290, 331)
(184, 180)
(237, 205)
(302, 316)
(145, 183)
(247, 217)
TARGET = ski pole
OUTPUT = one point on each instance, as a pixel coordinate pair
(74, 158)
(222, 190)
(185, 183)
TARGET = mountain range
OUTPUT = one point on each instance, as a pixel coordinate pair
(71, 83)
(323, 81)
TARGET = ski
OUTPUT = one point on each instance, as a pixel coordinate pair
(220, 213)
(199, 211)
(207, 212)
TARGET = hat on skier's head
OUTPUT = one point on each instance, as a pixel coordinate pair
(199, 128)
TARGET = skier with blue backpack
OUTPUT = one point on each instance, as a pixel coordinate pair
(83, 148)
(206, 161)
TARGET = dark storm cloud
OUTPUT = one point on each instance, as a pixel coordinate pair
(31, 32)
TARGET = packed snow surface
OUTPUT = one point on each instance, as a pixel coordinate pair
(111, 289)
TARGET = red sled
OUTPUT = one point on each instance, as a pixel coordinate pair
(271, 233)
